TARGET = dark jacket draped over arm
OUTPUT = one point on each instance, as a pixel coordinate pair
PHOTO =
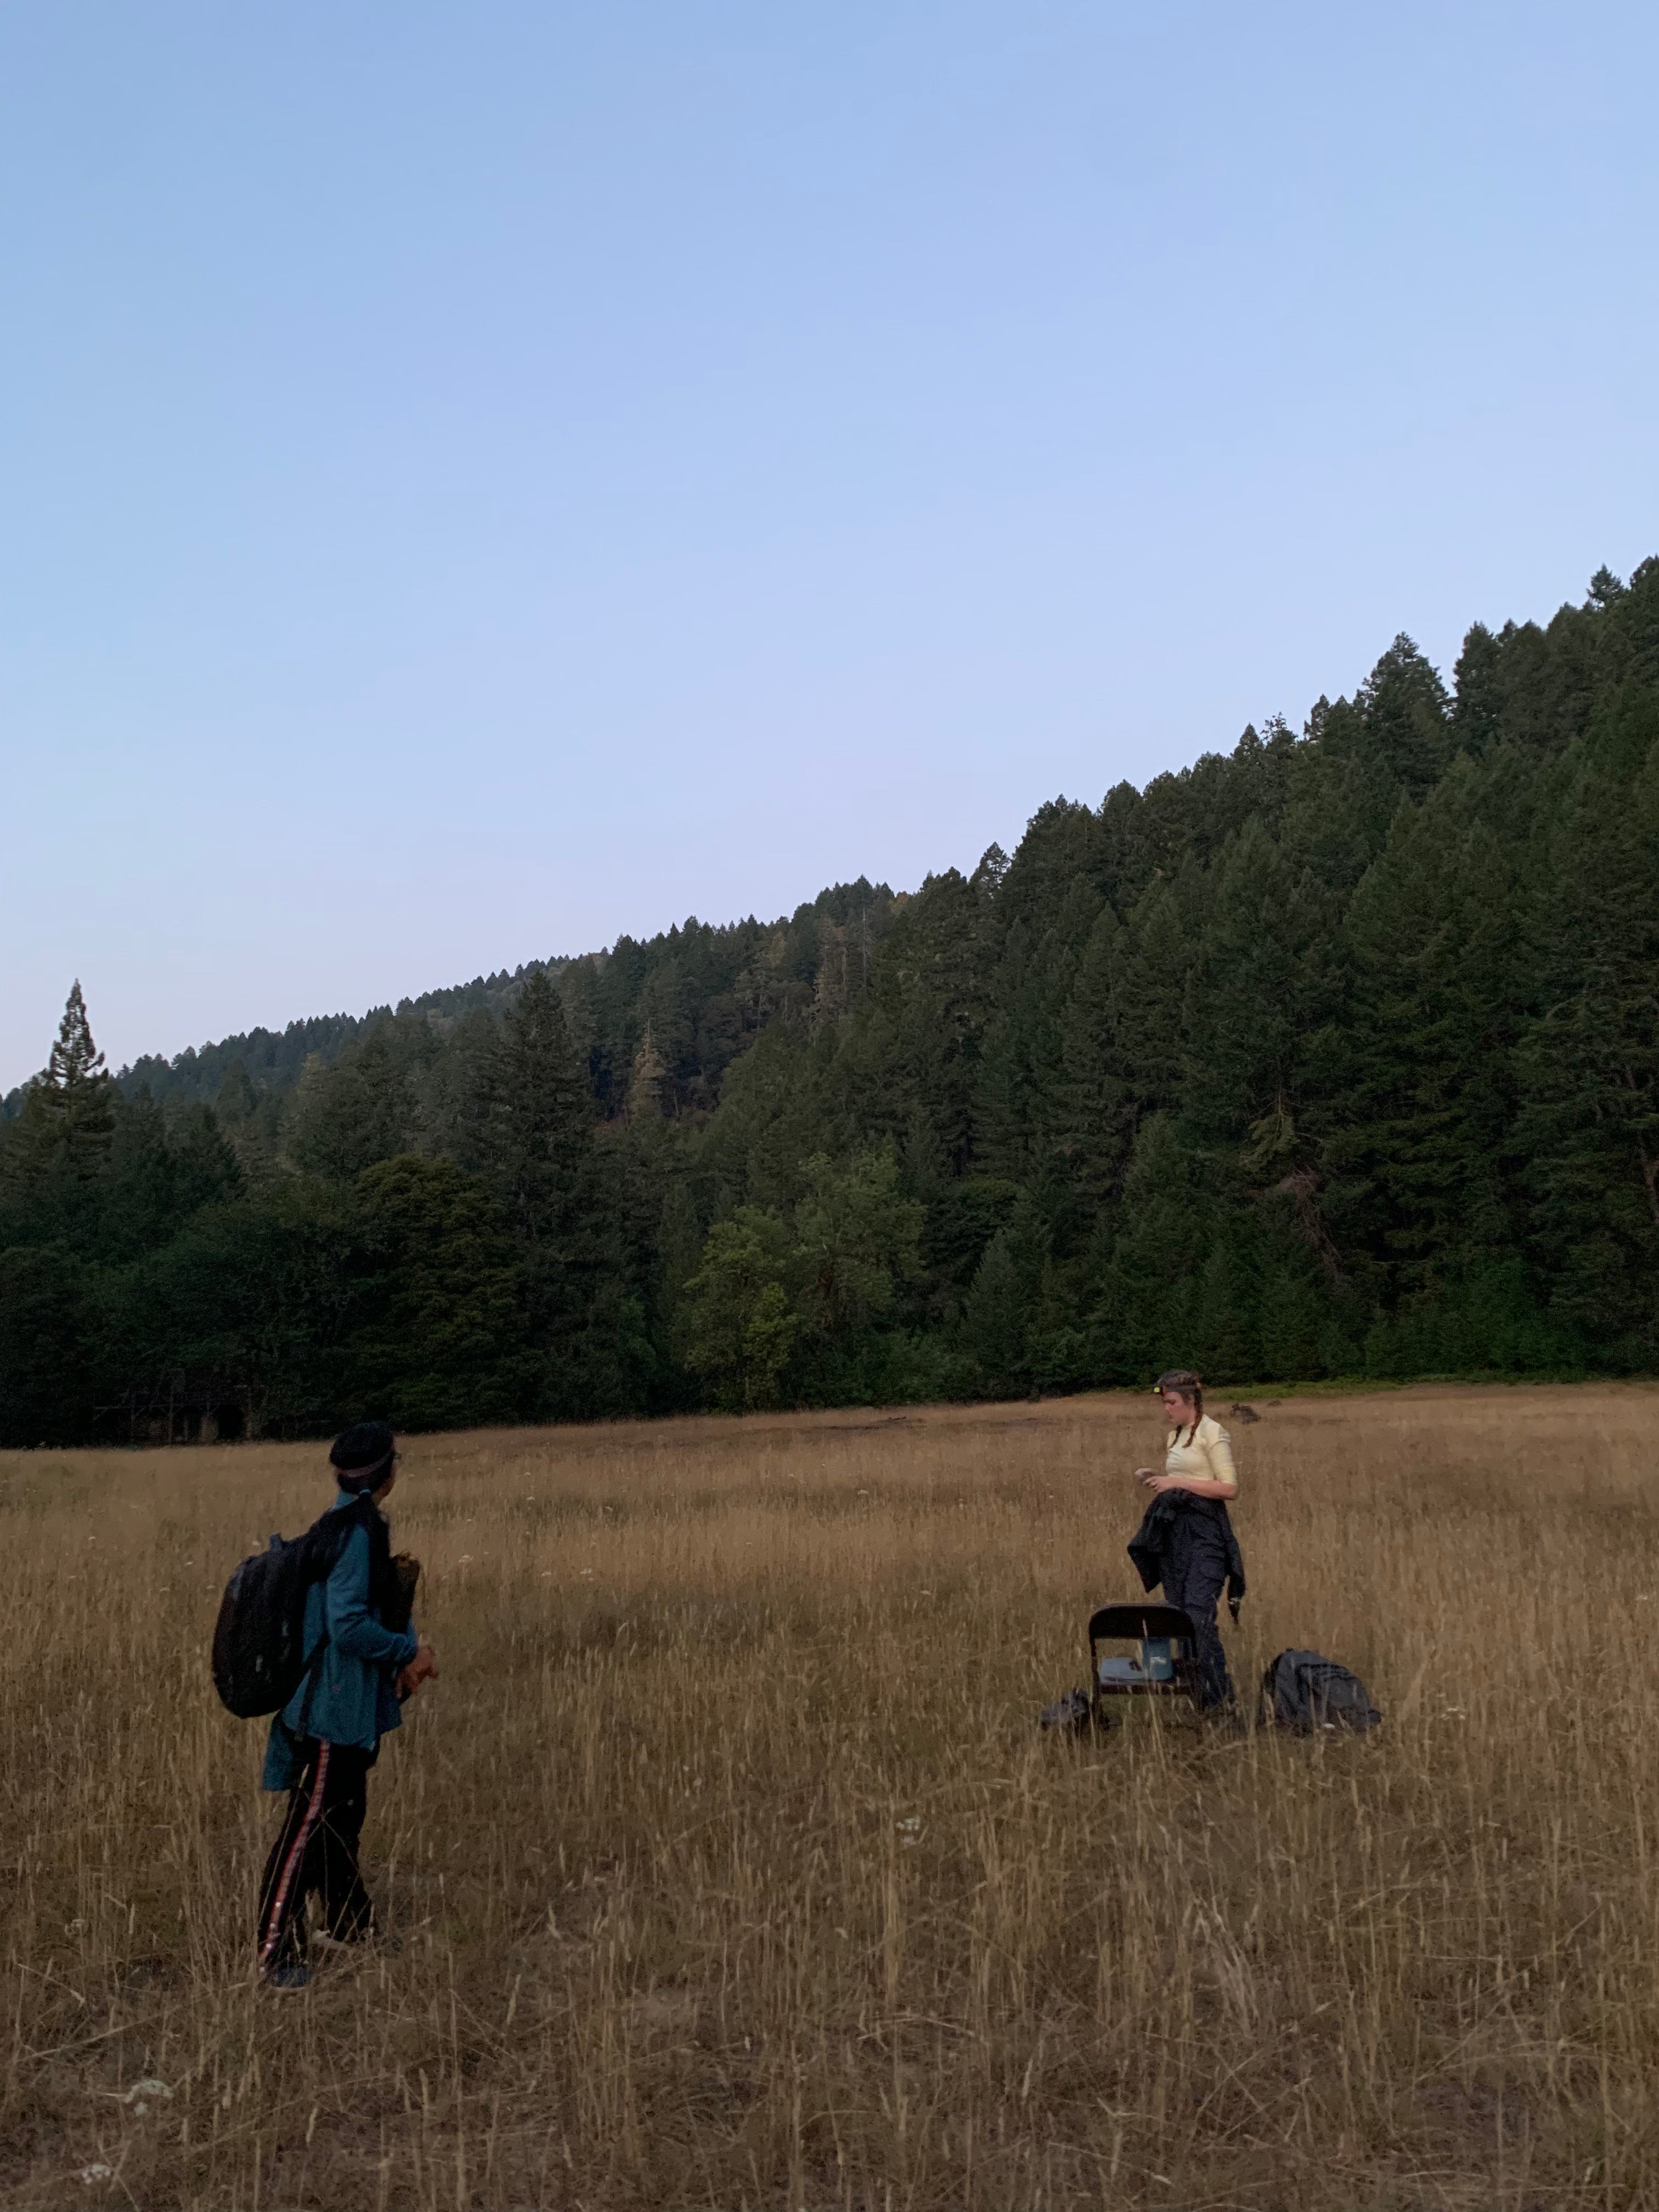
(1150, 1542)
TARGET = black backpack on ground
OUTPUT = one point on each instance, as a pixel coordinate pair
(259, 1656)
(1304, 1693)
(1072, 1715)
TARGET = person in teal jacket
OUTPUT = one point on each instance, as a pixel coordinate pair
(327, 1736)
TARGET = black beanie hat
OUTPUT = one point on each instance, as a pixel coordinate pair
(363, 1456)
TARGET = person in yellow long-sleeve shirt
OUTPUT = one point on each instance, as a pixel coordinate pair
(1194, 1544)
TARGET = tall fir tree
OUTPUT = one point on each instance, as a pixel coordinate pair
(74, 1099)
(536, 1119)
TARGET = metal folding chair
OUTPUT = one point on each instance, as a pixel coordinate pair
(1165, 1663)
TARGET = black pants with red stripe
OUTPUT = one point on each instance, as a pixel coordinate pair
(317, 1850)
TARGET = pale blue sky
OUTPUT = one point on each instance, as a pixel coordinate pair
(481, 479)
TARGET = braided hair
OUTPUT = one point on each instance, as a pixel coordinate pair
(1185, 1384)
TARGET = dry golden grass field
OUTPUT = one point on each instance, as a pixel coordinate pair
(731, 1871)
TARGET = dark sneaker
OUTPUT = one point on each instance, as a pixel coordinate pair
(287, 1978)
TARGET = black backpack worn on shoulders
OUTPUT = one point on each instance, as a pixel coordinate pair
(259, 1658)
(1304, 1693)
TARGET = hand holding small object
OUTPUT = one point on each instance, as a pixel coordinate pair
(423, 1667)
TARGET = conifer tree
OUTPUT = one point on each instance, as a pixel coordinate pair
(536, 1135)
(995, 1317)
(1406, 712)
(361, 1110)
(645, 1088)
(71, 1107)
(1588, 1067)
(237, 1099)
(537, 1119)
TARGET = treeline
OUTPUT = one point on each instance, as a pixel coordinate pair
(1338, 1055)
(704, 992)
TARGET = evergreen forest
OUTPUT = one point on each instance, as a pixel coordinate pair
(1336, 1056)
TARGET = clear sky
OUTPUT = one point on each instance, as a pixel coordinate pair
(481, 479)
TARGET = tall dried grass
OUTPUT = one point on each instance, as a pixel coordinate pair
(731, 1872)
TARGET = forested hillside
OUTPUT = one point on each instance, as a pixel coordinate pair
(703, 992)
(1338, 1054)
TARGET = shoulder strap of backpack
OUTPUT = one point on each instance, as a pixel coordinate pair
(313, 1675)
